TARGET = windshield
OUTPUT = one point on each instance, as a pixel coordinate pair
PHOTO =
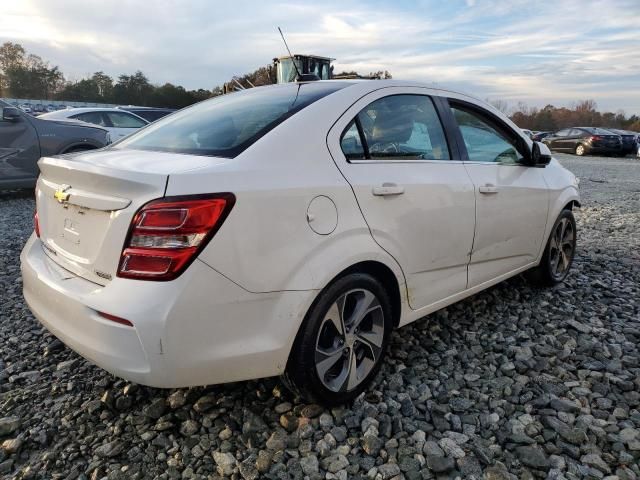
(287, 72)
(227, 125)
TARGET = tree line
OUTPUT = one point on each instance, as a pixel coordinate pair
(581, 114)
(25, 75)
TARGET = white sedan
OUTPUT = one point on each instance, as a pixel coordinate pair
(287, 230)
(118, 122)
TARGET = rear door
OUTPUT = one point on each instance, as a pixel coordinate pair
(419, 204)
(512, 198)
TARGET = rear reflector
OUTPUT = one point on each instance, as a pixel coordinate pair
(167, 234)
(115, 319)
(36, 224)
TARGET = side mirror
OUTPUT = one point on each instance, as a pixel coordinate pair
(10, 114)
(540, 154)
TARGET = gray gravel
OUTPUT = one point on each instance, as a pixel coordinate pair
(512, 383)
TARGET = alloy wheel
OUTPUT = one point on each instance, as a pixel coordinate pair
(561, 248)
(350, 340)
(580, 150)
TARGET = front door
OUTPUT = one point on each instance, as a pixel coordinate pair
(418, 203)
(19, 149)
(512, 198)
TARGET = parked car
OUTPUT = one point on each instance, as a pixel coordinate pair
(584, 141)
(117, 122)
(629, 140)
(24, 139)
(26, 108)
(538, 136)
(287, 230)
(150, 114)
(51, 108)
(527, 132)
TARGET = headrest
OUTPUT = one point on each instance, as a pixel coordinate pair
(393, 126)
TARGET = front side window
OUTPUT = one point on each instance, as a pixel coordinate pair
(124, 120)
(401, 127)
(484, 142)
(563, 133)
(226, 125)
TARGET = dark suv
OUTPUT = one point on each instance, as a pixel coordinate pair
(585, 140)
(629, 140)
(24, 139)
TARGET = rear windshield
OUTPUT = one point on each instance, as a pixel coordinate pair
(226, 125)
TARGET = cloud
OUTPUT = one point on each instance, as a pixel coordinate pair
(513, 49)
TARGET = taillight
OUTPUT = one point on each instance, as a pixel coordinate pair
(167, 234)
(595, 138)
(36, 224)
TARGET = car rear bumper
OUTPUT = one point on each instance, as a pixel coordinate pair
(603, 149)
(198, 329)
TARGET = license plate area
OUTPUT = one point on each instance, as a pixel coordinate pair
(77, 232)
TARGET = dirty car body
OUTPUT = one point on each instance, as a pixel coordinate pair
(24, 139)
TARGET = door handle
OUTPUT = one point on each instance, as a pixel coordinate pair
(488, 188)
(387, 189)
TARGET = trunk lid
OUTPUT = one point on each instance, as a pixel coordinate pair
(86, 202)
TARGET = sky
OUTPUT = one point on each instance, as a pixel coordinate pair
(537, 52)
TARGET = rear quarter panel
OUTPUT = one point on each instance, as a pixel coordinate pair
(56, 138)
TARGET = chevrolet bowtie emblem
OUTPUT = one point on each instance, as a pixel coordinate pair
(61, 194)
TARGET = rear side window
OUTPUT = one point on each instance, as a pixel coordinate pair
(124, 120)
(227, 125)
(152, 115)
(397, 127)
(351, 143)
(95, 118)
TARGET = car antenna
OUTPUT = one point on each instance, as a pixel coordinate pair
(293, 60)
(301, 77)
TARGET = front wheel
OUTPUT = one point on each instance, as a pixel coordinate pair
(342, 341)
(580, 150)
(559, 252)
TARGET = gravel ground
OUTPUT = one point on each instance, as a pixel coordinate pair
(513, 383)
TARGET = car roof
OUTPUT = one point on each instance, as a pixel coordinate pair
(67, 112)
(130, 108)
(93, 109)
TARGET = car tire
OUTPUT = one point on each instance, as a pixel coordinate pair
(580, 150)
(336, 355)
(555, 263)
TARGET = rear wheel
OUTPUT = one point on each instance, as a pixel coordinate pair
(580, 150)
(342, 341)
(559, 252)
